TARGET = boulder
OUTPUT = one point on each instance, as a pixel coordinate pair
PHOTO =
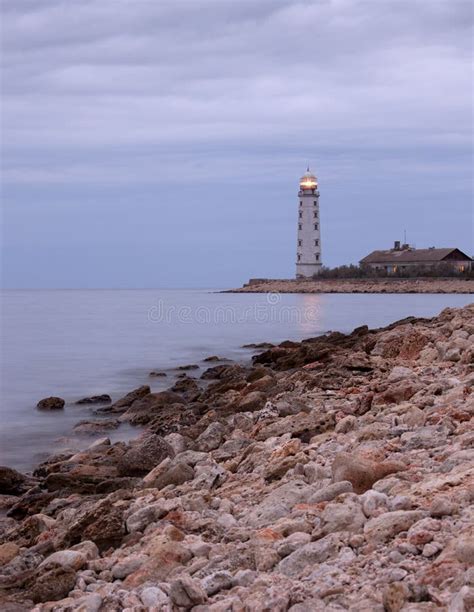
(140, 519)
(301, 425)
(66, 558)
(347, 516)
(143, 410)
(8, 551)
(255, 400)
(11, 481)
(211, 438)
(96, 399)
(174, 474)
(127, 400)
(52, 584)
(384, 527)
(187, 593)
(331, 492)
(128, 565)
(278, 503)
(362, 473)
(96, 427)
(216, 582)
(144, 455)
(102, 523)
(309, 555)
(51, 403)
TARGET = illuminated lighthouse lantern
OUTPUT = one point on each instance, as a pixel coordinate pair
(308, 252)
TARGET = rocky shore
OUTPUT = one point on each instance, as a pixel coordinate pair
(332, 474)
(358, 285)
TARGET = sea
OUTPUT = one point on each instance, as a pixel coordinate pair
(78, 343)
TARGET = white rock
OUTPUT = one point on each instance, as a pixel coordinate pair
(374, 503)
(66, 558)
(153, 597)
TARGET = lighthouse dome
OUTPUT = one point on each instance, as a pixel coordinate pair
(308, 180)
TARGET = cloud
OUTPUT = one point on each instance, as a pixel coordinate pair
(115, 74)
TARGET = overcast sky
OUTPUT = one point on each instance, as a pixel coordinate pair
(159, 143)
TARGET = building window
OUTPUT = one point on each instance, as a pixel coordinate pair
(316, 226)
(299, 226)
(316, 243)
(300, 243)
(299, 257)
(301, 203)
(315, 214)
(315, 202)
(316, 255)
(301, 215)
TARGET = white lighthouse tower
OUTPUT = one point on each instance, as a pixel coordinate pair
(308, 253)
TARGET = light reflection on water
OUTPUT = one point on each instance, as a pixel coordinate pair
(78, 342)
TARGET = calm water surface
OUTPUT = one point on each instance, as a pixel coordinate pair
(74, 343)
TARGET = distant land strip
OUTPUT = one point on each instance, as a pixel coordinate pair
(362, 285)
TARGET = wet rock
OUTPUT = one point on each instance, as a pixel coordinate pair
(190, 366)
(144, 455)
(143, 410)
(154, 374)
(360, 472)
(96, 399)
(11, 481)
(187, 387)
(96, 427)
(51, 403)
(258, 345)
(127, 400)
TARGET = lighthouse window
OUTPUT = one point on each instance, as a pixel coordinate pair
(315, 214)
(315, 202)
(316, 226)
(316, 256)
(301, 215)
(300, 243)
(299, 257)
(316, 243)
(299, 226)
(301, 203)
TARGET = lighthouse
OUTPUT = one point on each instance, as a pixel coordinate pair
(308, 251)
